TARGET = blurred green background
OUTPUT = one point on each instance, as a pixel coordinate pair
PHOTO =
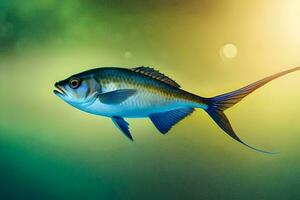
(49, 150)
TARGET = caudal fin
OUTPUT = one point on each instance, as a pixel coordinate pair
(217, 105)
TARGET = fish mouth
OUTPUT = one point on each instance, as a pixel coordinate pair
(60, 90)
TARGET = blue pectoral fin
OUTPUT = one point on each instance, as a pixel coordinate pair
(164, 121)
(116, 96)
(123, 126)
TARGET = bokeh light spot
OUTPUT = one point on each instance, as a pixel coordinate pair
(229, 51)
(127, 54)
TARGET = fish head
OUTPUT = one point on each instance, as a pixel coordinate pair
(78, 90)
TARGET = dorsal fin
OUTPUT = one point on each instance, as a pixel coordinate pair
(155, 74)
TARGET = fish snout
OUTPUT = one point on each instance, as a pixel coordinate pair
(60, 90)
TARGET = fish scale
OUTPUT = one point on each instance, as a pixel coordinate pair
(149, 91)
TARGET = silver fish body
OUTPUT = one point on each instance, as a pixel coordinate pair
(142, 92)
(151, 95)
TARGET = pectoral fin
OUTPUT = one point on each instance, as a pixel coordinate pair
(116, 96)
(123, 126)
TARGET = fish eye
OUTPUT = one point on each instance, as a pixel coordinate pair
(74, 83)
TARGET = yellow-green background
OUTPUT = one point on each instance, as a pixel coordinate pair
(49, 150)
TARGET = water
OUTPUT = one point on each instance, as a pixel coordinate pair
(50, 150)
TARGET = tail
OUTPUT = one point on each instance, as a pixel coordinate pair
(217, 105)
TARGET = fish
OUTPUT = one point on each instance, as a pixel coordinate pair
(144, 92)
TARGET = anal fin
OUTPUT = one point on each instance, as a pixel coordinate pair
(164, 121)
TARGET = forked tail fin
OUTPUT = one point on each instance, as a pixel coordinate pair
(217, 105)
